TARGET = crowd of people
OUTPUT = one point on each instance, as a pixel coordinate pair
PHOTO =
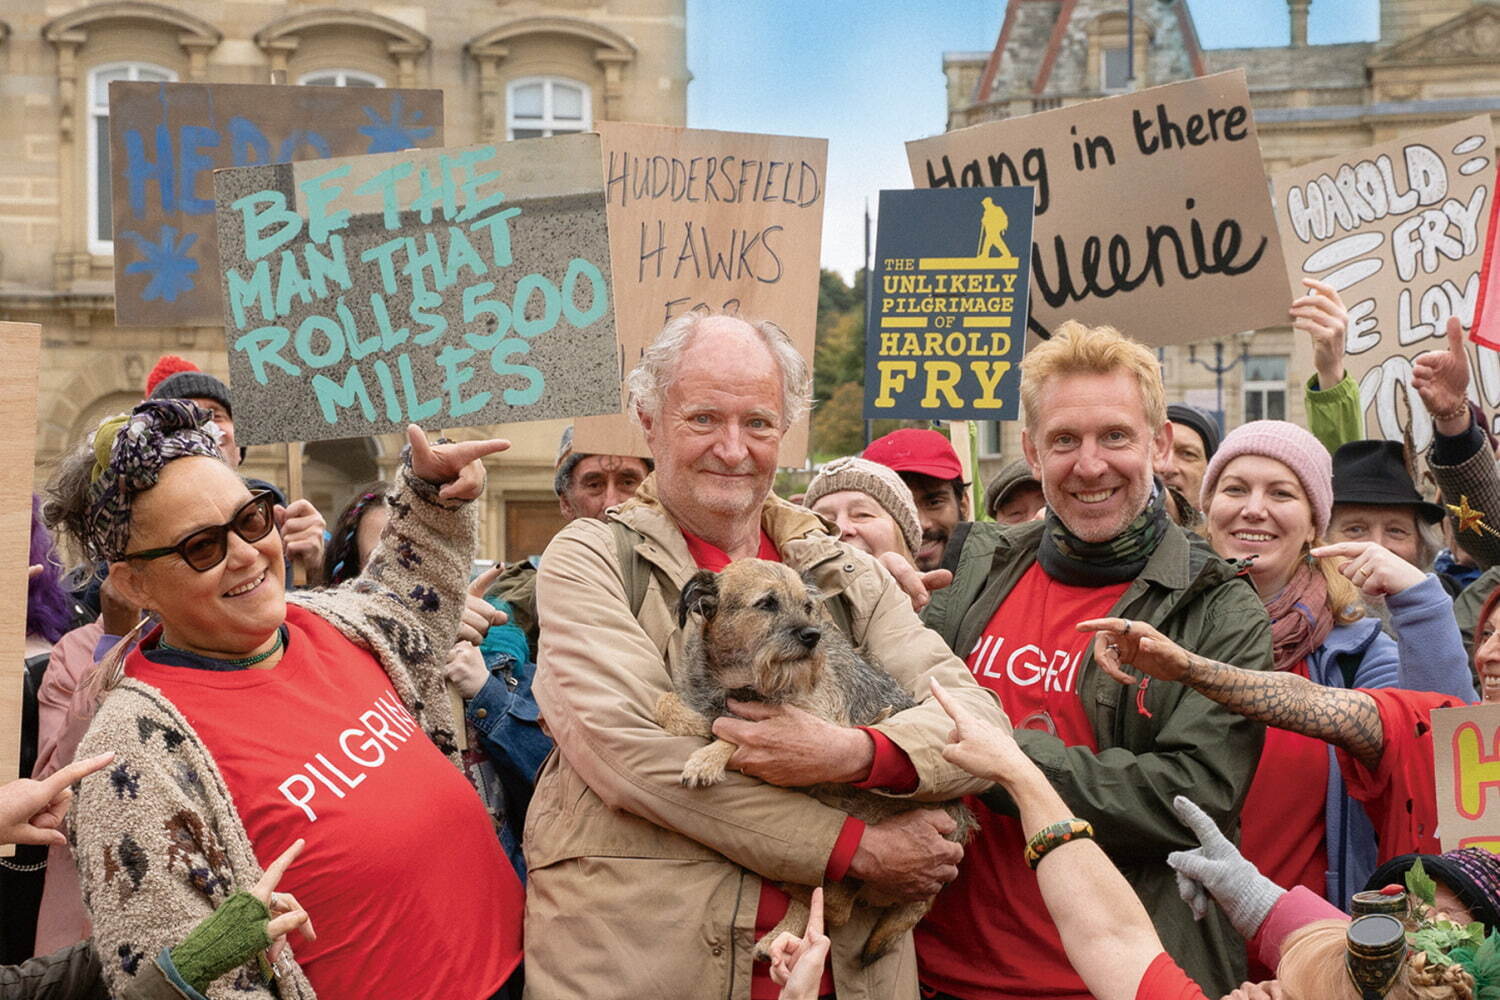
(1182, 679)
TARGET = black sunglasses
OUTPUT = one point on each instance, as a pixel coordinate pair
(206, 548)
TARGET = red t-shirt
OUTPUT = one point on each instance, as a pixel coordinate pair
(1165, 980)
(402, 874)
(988, 936)
(1282, 824)
(1400, 795)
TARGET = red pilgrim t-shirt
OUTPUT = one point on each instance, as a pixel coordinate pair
(1283, 829)
(1400, 795)
(988, 936)
(402, 875)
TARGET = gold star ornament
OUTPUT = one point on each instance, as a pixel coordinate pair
(1470, 519)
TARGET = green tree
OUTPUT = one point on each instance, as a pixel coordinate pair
(838, 368)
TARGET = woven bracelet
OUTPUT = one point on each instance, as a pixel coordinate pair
(1051, 837)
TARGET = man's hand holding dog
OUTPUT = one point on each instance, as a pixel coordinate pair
(786, 746)
(907, 855)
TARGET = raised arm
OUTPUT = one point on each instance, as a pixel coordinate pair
(1460, 459)
(1347, 719)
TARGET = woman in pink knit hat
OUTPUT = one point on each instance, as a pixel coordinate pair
(1266, 498)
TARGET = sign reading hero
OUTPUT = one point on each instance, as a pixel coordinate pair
(450, 288)
(949, 324)
(165, 141)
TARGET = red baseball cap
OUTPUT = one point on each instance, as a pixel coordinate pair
(911, 449)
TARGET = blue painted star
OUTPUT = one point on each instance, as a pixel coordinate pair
(167, 261)
(389, 135)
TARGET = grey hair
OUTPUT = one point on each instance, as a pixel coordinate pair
(1429, 543)
(649, 380)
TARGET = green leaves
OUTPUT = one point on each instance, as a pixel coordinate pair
(1420, 884)
(1440, 938)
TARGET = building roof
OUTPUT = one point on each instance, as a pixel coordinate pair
(1286, 68)
(1020, 63)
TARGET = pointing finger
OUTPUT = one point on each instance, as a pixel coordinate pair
(482, 582)
(1195, 819)
(59, 780)
(815, 914)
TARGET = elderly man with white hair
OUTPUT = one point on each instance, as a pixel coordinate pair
(639, 886)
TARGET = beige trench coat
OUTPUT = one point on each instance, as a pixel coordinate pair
(640, 887)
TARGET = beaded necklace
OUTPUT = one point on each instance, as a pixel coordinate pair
(248, 661)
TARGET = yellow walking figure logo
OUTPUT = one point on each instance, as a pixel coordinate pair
(992, 226)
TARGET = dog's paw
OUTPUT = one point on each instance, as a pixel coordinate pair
(702, 771)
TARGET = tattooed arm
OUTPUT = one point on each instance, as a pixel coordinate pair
(1349, 720)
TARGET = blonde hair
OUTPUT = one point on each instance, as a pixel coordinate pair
(1312, 968)
(1075, 349)
(1344, 598)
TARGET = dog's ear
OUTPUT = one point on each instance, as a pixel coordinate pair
(701, 595)
(817, 594)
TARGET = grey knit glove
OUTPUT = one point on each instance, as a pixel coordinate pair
(1242, 892)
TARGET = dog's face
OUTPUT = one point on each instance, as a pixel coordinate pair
(762, 627)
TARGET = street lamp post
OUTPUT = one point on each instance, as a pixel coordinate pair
(1220, 369)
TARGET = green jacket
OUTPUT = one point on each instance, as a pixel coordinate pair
(1335, 415)
(1154, 743)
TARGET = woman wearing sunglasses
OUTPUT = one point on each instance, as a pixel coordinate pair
(245, 721)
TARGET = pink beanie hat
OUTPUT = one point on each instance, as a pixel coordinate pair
(1292, 446)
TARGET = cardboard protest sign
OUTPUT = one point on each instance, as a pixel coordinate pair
(448, 288)
(165, 141)
(1466, 745)
(21, 345)
(1151, 209)
(1398, 229)
(714, 221)
(947, 328)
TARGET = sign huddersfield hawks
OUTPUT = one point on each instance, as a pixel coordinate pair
(947, 322)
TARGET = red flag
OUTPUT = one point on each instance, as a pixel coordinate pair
(1486, 328)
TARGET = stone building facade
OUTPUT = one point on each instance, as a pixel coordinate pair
(1437, 61)
(508, 68)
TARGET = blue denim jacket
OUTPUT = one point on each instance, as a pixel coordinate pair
(505, 716)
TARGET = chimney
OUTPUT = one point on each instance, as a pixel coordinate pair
(1298, 10)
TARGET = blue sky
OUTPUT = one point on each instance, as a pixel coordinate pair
(867, 76)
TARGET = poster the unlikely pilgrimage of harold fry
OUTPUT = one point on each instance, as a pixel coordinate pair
(449, 288)
(947, 323)
(1152, 213)
(166, 139)
(1398, 230)
(718, 222)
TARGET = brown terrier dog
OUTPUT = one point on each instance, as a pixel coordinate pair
(758, 632)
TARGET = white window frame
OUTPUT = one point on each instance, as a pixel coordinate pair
(341, 78)
(1264, 387)
(991, 438)
(96, 245)
(1104, 51)
(547, 124)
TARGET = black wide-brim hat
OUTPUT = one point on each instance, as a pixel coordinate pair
(1374, 472)
(1471, 872)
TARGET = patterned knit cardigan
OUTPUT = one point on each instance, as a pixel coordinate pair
(158, 840)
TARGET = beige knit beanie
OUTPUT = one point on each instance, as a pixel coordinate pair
(876, 481)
